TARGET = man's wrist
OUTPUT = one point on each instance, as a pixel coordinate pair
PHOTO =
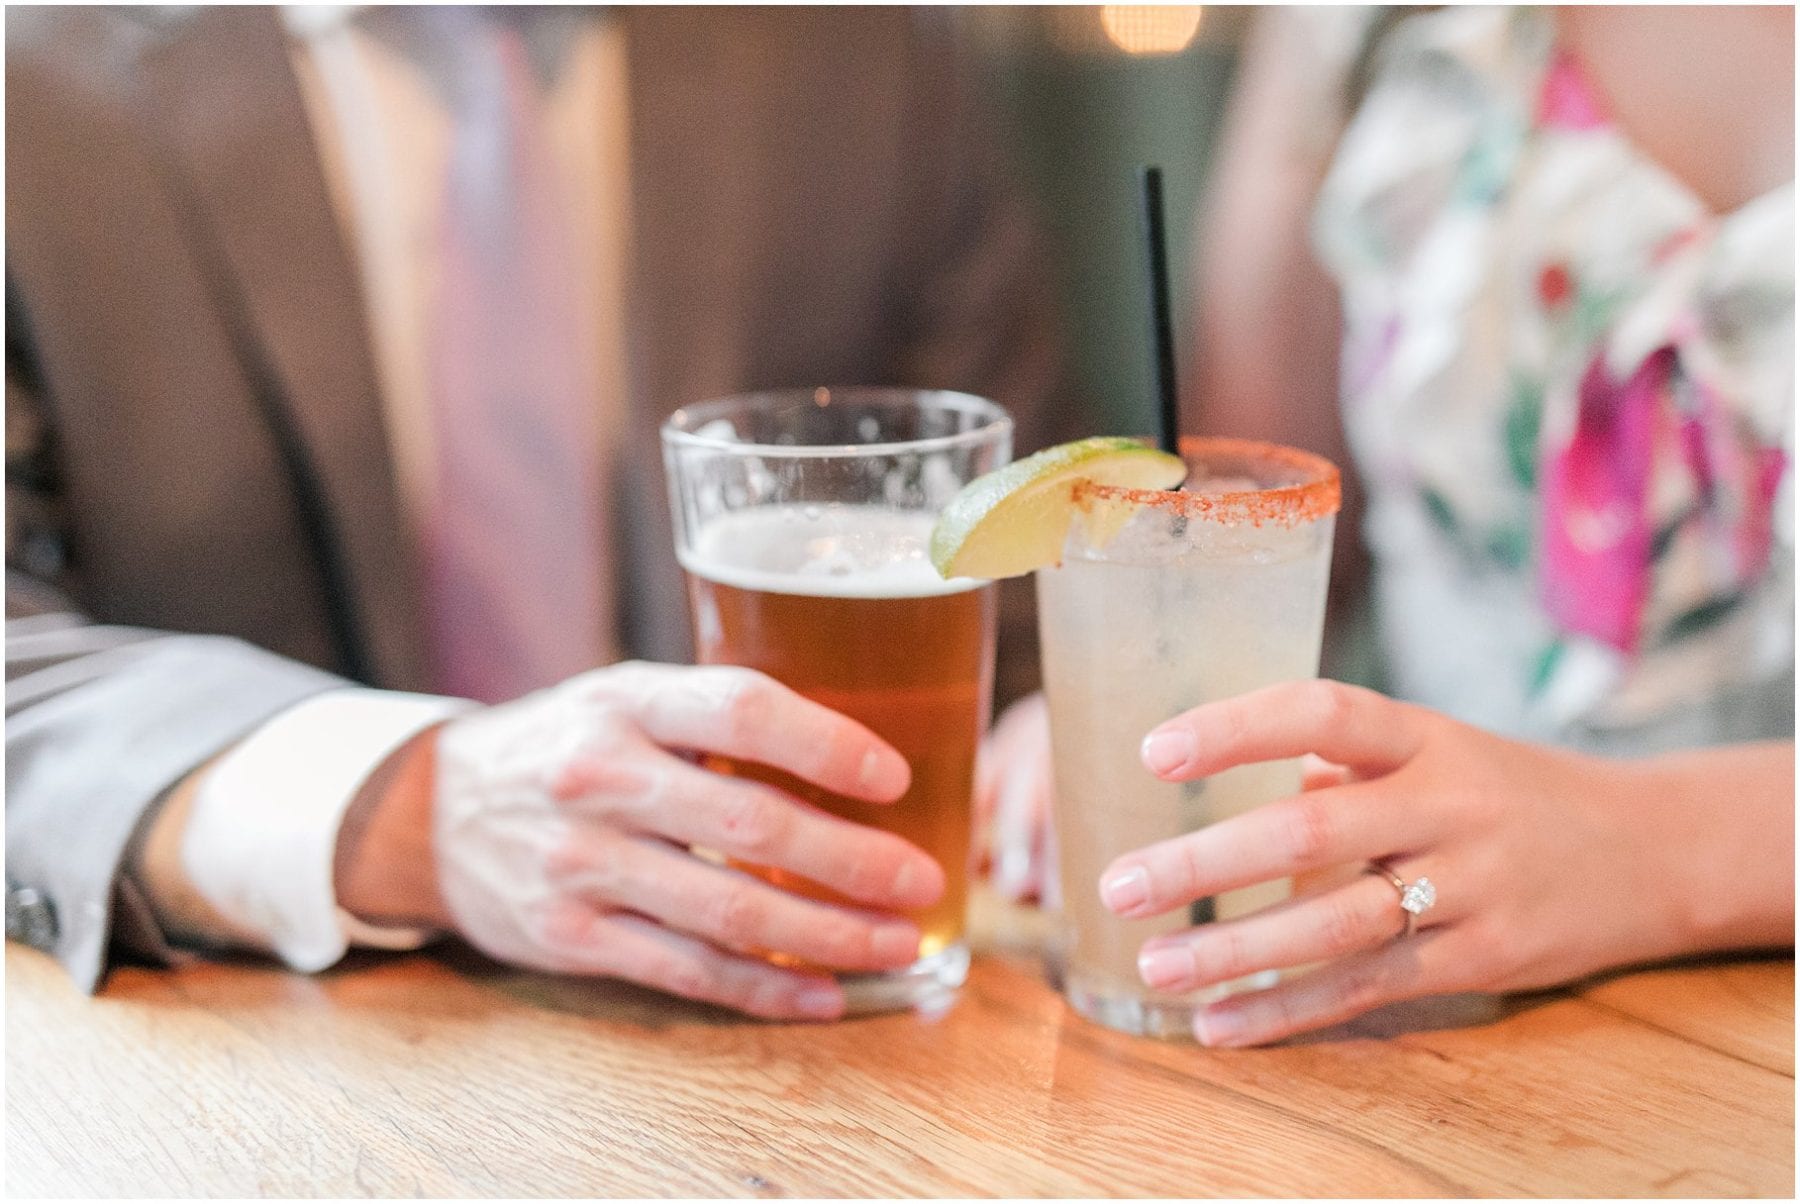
(259, 836)
(385, 868)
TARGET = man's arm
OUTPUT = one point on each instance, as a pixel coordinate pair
(100, 722)
(104, 721)
(303, 835)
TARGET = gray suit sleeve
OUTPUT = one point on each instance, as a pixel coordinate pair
(100, 722)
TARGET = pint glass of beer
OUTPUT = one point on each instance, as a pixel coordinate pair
(803, 520)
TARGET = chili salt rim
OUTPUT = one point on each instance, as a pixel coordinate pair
(1311, 499)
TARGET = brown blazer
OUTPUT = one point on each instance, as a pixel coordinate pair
(194, 437)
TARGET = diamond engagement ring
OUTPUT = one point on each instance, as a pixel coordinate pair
(1416, 898)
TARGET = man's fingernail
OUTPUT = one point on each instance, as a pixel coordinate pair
(1167, 750)
(1125, 893)
(877, 777)
(915, 874)
(1218, 1028)
(895, 944)
(821, 1000)
(1166, 968)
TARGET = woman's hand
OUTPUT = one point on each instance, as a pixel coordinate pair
(1548, 865)
(1012, 800)
(561, 824)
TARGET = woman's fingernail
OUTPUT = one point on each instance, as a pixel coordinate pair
(1218, 1028)
(1126, 892)
(1012, 871)
(822, 1001)
(1166, 968)
(1167, 750)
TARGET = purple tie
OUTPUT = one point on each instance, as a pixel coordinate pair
(513, 540)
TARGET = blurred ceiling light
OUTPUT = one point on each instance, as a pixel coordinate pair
(1150, 28)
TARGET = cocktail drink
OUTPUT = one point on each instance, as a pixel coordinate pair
(802, 520)
(1165, 600)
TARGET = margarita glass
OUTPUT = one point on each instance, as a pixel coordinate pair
(1164, 600)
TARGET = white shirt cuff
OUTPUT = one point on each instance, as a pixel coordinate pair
(261, 842)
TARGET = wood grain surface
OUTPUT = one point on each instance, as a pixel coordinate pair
(442, 1074)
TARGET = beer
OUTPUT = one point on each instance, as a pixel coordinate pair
(802, 517)
(841, 604)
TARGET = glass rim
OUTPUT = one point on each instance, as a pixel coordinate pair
(1317, 495)
(677, 428)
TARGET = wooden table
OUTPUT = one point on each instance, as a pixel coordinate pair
(441, 1074)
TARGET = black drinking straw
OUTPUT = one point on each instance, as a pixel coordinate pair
(1162, 341)
(1162, 333)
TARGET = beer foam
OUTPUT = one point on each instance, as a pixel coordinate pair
(822, 551)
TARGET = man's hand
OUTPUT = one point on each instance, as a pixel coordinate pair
(556, 832)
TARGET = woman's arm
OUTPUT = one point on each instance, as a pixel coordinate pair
(1265, 344)
(1727, 818)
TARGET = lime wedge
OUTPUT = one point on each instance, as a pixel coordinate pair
(1014, 519)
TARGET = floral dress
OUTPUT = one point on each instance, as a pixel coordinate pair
(1570, 388)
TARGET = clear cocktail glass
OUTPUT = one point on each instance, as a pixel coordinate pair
(1165, 600)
